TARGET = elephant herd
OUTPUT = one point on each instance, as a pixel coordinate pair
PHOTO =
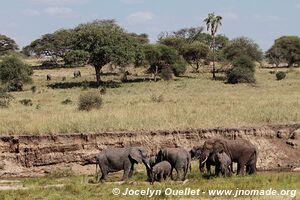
(220, 153)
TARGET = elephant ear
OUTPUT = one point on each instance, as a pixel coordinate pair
(136, 155)
(219, 147)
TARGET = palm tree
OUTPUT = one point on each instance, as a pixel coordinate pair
(212, 22)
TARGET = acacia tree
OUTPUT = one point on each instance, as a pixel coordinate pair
(7, 44)
(243, 46)
(195, 53)
(106, 43)
(288, 47)
(213, 22)
(164, 57)
(52, 44)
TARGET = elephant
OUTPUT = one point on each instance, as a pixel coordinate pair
(211, 161)
(160, 171)
(152, 162)
(77, 74)
(179, 159)
(49, 77)
(117, 159)
(240, 151)
(224, 163)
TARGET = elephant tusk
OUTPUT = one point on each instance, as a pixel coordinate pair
(204, 161)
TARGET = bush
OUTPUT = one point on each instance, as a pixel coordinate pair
(89, 101)
(242, 72)
(49, 64)
(280, 75)
(5, 98)
(179, 68)
(76, 58)
(26, 102)
(33, 89)
(14, 72)
(166, 73)
(67, 101)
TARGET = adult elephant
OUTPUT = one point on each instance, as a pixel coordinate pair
(117, 159)
(240, 151)
(179, 158)
(210, 161)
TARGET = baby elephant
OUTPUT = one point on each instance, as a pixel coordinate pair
(160, 171)
(224, 163)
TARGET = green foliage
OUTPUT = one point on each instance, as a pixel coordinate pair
(26, 102)
(106, 43)
(89, 101)
(280, 75)
(76, 58)
(194, 53)
(7, 45)
(160, 56)
(242, 72)
(52, 44)
(286, 48)
(5, 98)
(14, 72)
(243, 46)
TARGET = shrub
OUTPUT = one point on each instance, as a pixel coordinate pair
(76, 58)
(5, 98)
(33, 89)
(280, 75)
(166, 73)
(26, 102)
(179, 67)
(89, 101)
(14, 72)
(242, 72)
(157, 98)
(49, 64)
(67, 101)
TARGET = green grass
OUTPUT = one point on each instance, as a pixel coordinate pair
(196, 102)
(84, 187)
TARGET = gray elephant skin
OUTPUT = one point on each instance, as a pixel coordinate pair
(224, 163)
(210, 161)
(179, 159)
(240, 151)
(160, 171)
(117, 159)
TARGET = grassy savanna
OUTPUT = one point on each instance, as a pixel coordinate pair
(84, 187)
(194, 102)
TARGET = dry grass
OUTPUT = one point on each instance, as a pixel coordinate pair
(196, 102)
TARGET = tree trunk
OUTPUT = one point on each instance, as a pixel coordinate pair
(97, 69)
(214, 57)
(197, 68)
(155, 73)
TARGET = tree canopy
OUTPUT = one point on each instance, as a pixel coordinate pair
(51, 44)
(285, 49)
(106, 42)
(243, 46)
(7, 44)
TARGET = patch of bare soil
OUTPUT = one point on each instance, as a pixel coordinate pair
(32, 156)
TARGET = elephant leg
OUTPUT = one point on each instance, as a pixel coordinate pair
(131, 171)
(126, 173)
(240, 170)
(185, 169)
(172, 178)
(104, 173)
(161, 176)
(178, 170)
(208, 168)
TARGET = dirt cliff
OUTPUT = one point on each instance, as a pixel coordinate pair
(279, 147)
